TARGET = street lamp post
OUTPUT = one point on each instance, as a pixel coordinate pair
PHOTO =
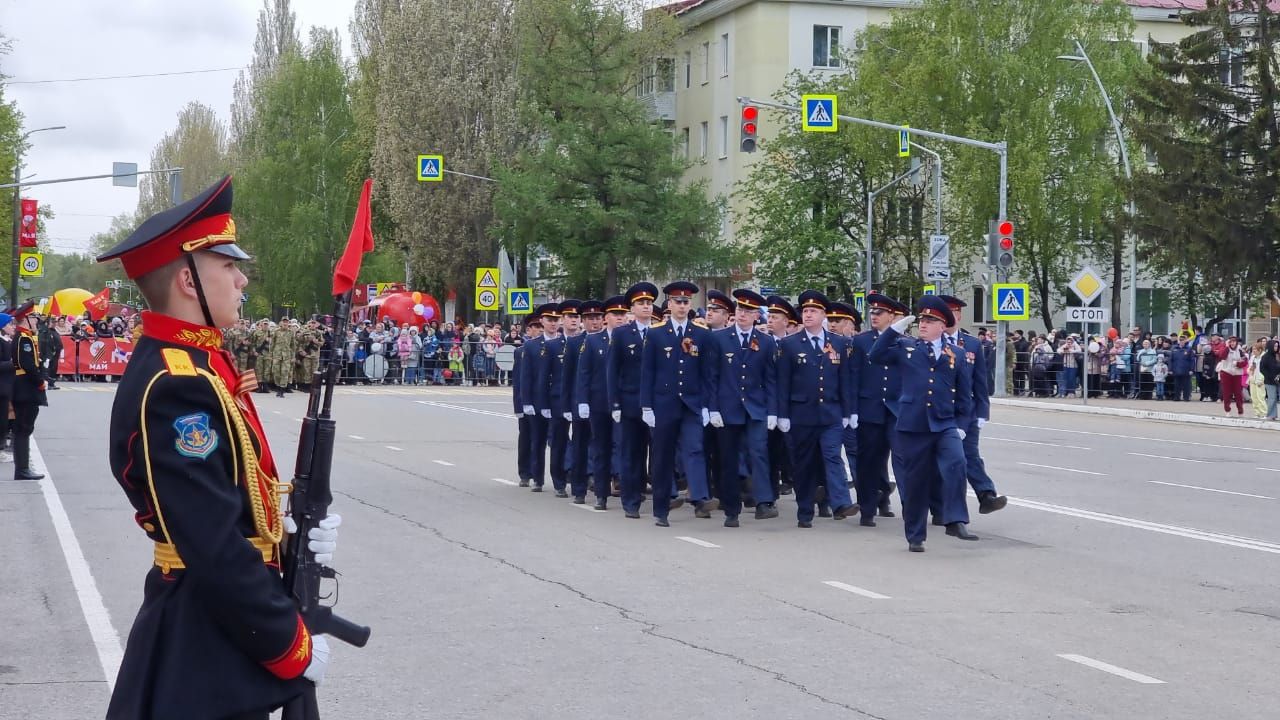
(17, 210)
(1082, 56)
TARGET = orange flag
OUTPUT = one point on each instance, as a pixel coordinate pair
(97, 305)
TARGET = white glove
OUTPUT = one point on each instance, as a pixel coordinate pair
(784, 424)
(568, 417)
(584, 411)
(528, 410)
(319, 659)
(902, 325)
(706, 417)
(853, 421)
(616, 415)
(546, 414)
(844, 423)
(647, 415)
(717, 420)
(981, 423)
(771, 422)
(321, 539)
(961, 433)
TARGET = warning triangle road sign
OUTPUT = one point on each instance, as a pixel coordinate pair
(488, 279)
(819, 116)
(1010, 303)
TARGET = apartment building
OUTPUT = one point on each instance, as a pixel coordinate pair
(733, 48)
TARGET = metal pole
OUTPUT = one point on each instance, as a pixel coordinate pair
(87, 177)
(743, 100)
(1002, 326)
(871, 200)
(17, 245)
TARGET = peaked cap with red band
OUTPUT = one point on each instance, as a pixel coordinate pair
(201, 223)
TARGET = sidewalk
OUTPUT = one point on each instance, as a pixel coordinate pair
(1196, 412)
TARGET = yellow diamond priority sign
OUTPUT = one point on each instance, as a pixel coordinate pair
(1087, 285)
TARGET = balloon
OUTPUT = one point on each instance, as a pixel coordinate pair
(417, 298)
(417, 309)
(428, 312)
(1113, 333)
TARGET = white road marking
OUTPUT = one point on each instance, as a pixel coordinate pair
(589, 508)
(393, 447)
(445, 463)
(696, 541)
(1269, 469)
(105, 639)
(355, 437)
(1166, 457)
(1033, 442)
(1186, 532)
(856, 590)
(1163, 441)
(1070, 470)
(1224, 492)
(1113, 669)
(477, 411)
(277, 412)
(297, 419)
(504, 481)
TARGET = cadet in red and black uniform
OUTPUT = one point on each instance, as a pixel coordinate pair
(29, 386)
(217, 636)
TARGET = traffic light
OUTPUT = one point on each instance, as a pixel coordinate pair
(1000, 244)
(750, 113)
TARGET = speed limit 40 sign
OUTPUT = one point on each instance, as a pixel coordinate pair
(32, 265)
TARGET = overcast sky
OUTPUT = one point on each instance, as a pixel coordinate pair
(121, 120)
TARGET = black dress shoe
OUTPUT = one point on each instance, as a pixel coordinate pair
(766, 511)
(579, 499)
(958, 530)
(824, 511)
(602, 504)
(989, 502)
(938, 521)
(731, 521)
(867, 522)
(804, 524)
(27, 474)
(786, 489)
(524, 483)
(662, 522)
(820, 494)
(915, 547)
(676, 502)
(847, 511)
(562, 494)
(632, 514)
(536, 488)
(704, 508)
(885, 509)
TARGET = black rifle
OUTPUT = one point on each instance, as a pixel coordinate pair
(309, 505)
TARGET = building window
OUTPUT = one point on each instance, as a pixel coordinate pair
(706, 62)
(702, 140)
(688, 69)
(724, 55)
(1231, 67)
(666, 75)
(724, 136)
(684, 142)
(1153, 310)
(981, 308)
(826, 46)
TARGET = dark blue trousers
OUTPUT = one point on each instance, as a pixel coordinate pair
(849, 438)
(581, 448)
(683, 435)
(975, 468)
(815, 451)
(538, 426)
(875, 440)
(616, 464)
(524, 445)
(635, 453)
(925, 459)
(558, 438)
(734, 441)
(601, 453)
(1181, 387)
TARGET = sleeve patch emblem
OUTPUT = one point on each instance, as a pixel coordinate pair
(196, 438)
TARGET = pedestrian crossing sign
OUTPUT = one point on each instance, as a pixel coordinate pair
(930, 289)
(819, 113)
(430, 168)
(519, 301)
(1009, 301)
(860, 303)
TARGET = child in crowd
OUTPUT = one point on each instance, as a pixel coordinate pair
(1159, 374)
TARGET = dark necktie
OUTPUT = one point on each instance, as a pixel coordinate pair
(814, 339)
(680, 331)
(745, 338)
(933, 351)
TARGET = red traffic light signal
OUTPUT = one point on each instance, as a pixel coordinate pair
(1005, 228)
(1004, 238)
(1006, 243)
(747, 141)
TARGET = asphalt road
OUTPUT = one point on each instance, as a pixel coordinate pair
(1131, 576)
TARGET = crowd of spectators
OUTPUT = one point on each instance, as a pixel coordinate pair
(437, 354)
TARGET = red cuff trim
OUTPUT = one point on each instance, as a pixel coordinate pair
(295, 660)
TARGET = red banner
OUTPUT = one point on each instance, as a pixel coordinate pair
(97, 305)
(98, 356)
(27, 232)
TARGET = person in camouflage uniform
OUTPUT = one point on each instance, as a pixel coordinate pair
(230, 341)
(259, 349)
(240, 345)
(310, 340)
(284, 347)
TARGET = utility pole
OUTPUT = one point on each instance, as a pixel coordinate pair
(17, 209)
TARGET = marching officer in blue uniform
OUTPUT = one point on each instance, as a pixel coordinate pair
(843, 320)
(816, 401)
(674, 380)
(573, 312)
(743, 405)
(975, 469)
(592, 393)
(552, 403)
(626, 353)
(935, 404)
(715, 318)
(779, 313)
(879, 386)
(524, 436)
(535, 352)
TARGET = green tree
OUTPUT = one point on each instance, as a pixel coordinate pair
(10, 146)
(198, 145)
(599, 189)
(1209, 209)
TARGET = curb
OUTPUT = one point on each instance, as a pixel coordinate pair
(1144, 414)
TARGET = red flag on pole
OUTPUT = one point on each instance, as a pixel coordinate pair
(98, 304)
(28, 224)
(359, 243)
